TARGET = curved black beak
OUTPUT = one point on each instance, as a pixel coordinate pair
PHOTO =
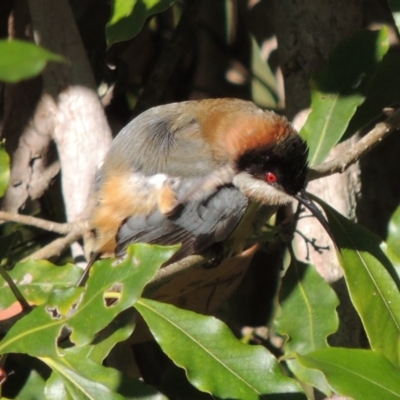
(304, 199)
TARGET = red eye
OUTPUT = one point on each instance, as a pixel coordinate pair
(270, 177)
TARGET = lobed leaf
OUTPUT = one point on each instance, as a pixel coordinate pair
(129, 276)
(85, 313)
(37, 279)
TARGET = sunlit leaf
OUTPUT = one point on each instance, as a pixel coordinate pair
(263, 82)
(395, 7)
(338, 89)
(36, 334)
(371, 280)
(307, 317)
(77, 377)
(86, 312)
(23, 60)
(4, 169)
(393, 238)
(128, 17)
(118, 330)
(37, 279)
(214, 360)
(32, 373)
(358, 374)
(381, 91)
(131, 275)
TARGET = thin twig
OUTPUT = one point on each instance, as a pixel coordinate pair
(74, 231)
(14, 288)
(61, 244)
(171, 271)
(50, 226)
(362, 147)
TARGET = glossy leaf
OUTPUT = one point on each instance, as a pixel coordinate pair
(392, 245)
(37, 279)
(359, 374)
(338, 89)
(128, 17)
(214, 360)
(393, 238)
(4, 169)
(263, 82)
(395, 7)
(31, 371)
(131, 275)
(371, 280)
(381, 91)
(307, 317)
(85, 313)
(23, 60)
(120, 329)
(36, 333)
(77, 377)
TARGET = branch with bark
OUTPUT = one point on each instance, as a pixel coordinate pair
(74, 231)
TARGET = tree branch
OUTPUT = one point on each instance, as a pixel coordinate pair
(362, 147)
(75, 230)
(50, 226)
(58, 246)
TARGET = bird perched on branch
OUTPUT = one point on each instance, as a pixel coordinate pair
(197, 173)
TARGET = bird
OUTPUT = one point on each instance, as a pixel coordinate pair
(198, 173)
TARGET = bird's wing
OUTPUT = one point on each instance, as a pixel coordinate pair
(196, 226)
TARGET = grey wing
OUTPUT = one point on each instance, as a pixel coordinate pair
(164, 139)
(197, 226)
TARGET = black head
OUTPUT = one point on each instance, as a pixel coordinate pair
(282, 165)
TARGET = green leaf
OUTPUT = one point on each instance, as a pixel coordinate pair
(27, 377)
(392, 248)
(175, 385)
(381, 91)
(86, 313)
(308, 316)
(4, 169)
(131, 275)
(393, 238)
(128, 17)
(214, 360)
(370, 280)
(37, 279)
(120, 329)
(359, 374)
(23, 60)
(395, 7)
(338, 89)
(263, 82)
(77, 377)
(33, 387)
(36, 333)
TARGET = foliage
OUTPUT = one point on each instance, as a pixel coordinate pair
(22, 60)
(68, 339)
(128, 17)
